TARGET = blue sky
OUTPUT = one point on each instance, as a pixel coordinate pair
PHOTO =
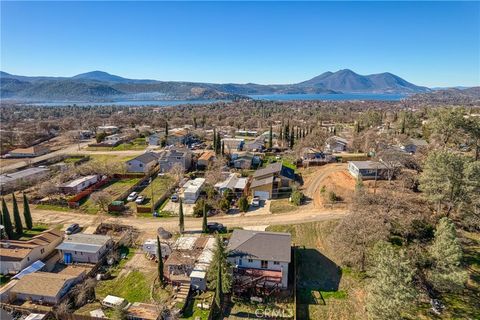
(427, 43)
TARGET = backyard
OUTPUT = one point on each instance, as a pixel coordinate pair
(115, 189)
(324, 290)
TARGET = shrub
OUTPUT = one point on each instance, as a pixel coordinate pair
(297, 197)
(243, 204)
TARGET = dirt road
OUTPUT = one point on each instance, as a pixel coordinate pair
(148, 226)
(315, 181)
(72, 149)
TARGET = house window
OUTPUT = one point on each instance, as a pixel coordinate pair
(140, 165)
(42, 250)
(264, 264)
(250, 260)
(276, 262)
(240, 262)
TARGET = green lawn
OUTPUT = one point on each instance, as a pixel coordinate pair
(136, 144)
(282, 206)
(324, 290)
(53, 207)
(114, 189)
(193, 312)
(37, 229)
(158, 187)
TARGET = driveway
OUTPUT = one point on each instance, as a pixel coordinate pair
(174, 207)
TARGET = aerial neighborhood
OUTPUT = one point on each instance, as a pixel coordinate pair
(192, 218)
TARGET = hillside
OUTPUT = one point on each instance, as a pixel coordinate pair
(452, 95)
(99, 85)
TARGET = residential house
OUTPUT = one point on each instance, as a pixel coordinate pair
(368, 170)
(175, 156)
(206, 158)
(192, 189)
(46, 287)
(412, 145)
(189, 261)
(143, 163)
(256, 145)
(260, 258)
(16, 255)
(113, 139)
(155, 139)
(78, 185)
(245, 160)
(11, 181)
(108, 129)
(231, 145)
(336, 144)
(247, 133)
(311, 154)
(84, 248)
(232, 182)
(179, 136)
(30, 152)
(272, 181)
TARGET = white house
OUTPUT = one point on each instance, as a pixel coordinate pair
(150, 247)
(113, 139)
(86, 248)
(175, 156)
(16, 255)
(336, 144)
(192, 189)
(143, 163)
(10, 181)
(78, 185)
(260, 255)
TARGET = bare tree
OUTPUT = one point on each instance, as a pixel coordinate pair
(102, 199)
(176, 172)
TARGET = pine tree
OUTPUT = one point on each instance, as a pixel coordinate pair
(223, 148)
(204, 222)
(181, 222)
(26, 213)
(218, 144)
(160, 262)
(220, 255)
(195, 122)
(292, 139)
(203, 121)
(219, 291)
(7, 222)
(391, 290)
(166, 129)
(214, 139)
(446, 273)
(16, 217)
(270, 138)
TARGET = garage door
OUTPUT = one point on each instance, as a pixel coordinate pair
(263, 195)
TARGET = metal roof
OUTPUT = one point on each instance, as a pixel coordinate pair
(7, 177)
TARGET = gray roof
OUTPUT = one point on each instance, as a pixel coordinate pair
(368, 164)
(261, 245)
(261, 182)
(6, 177)
(76, 182)
(146, 157)
(270, 169)
(83, 242)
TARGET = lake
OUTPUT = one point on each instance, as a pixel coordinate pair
(329, 97)
(272, 97)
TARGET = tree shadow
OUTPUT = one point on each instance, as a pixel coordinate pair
(315, 273)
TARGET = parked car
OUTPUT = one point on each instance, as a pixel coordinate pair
(132, 196)
(73, 228)
(174, 198)
(216, 227)
(140, 200)
(256, 202)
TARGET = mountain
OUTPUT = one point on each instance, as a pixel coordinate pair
(450, 96)
(350, 82)
(100, 85)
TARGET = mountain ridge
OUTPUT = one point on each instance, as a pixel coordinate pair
(98, 84)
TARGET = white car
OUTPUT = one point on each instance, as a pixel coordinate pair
(132, 196)
(140, 200)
